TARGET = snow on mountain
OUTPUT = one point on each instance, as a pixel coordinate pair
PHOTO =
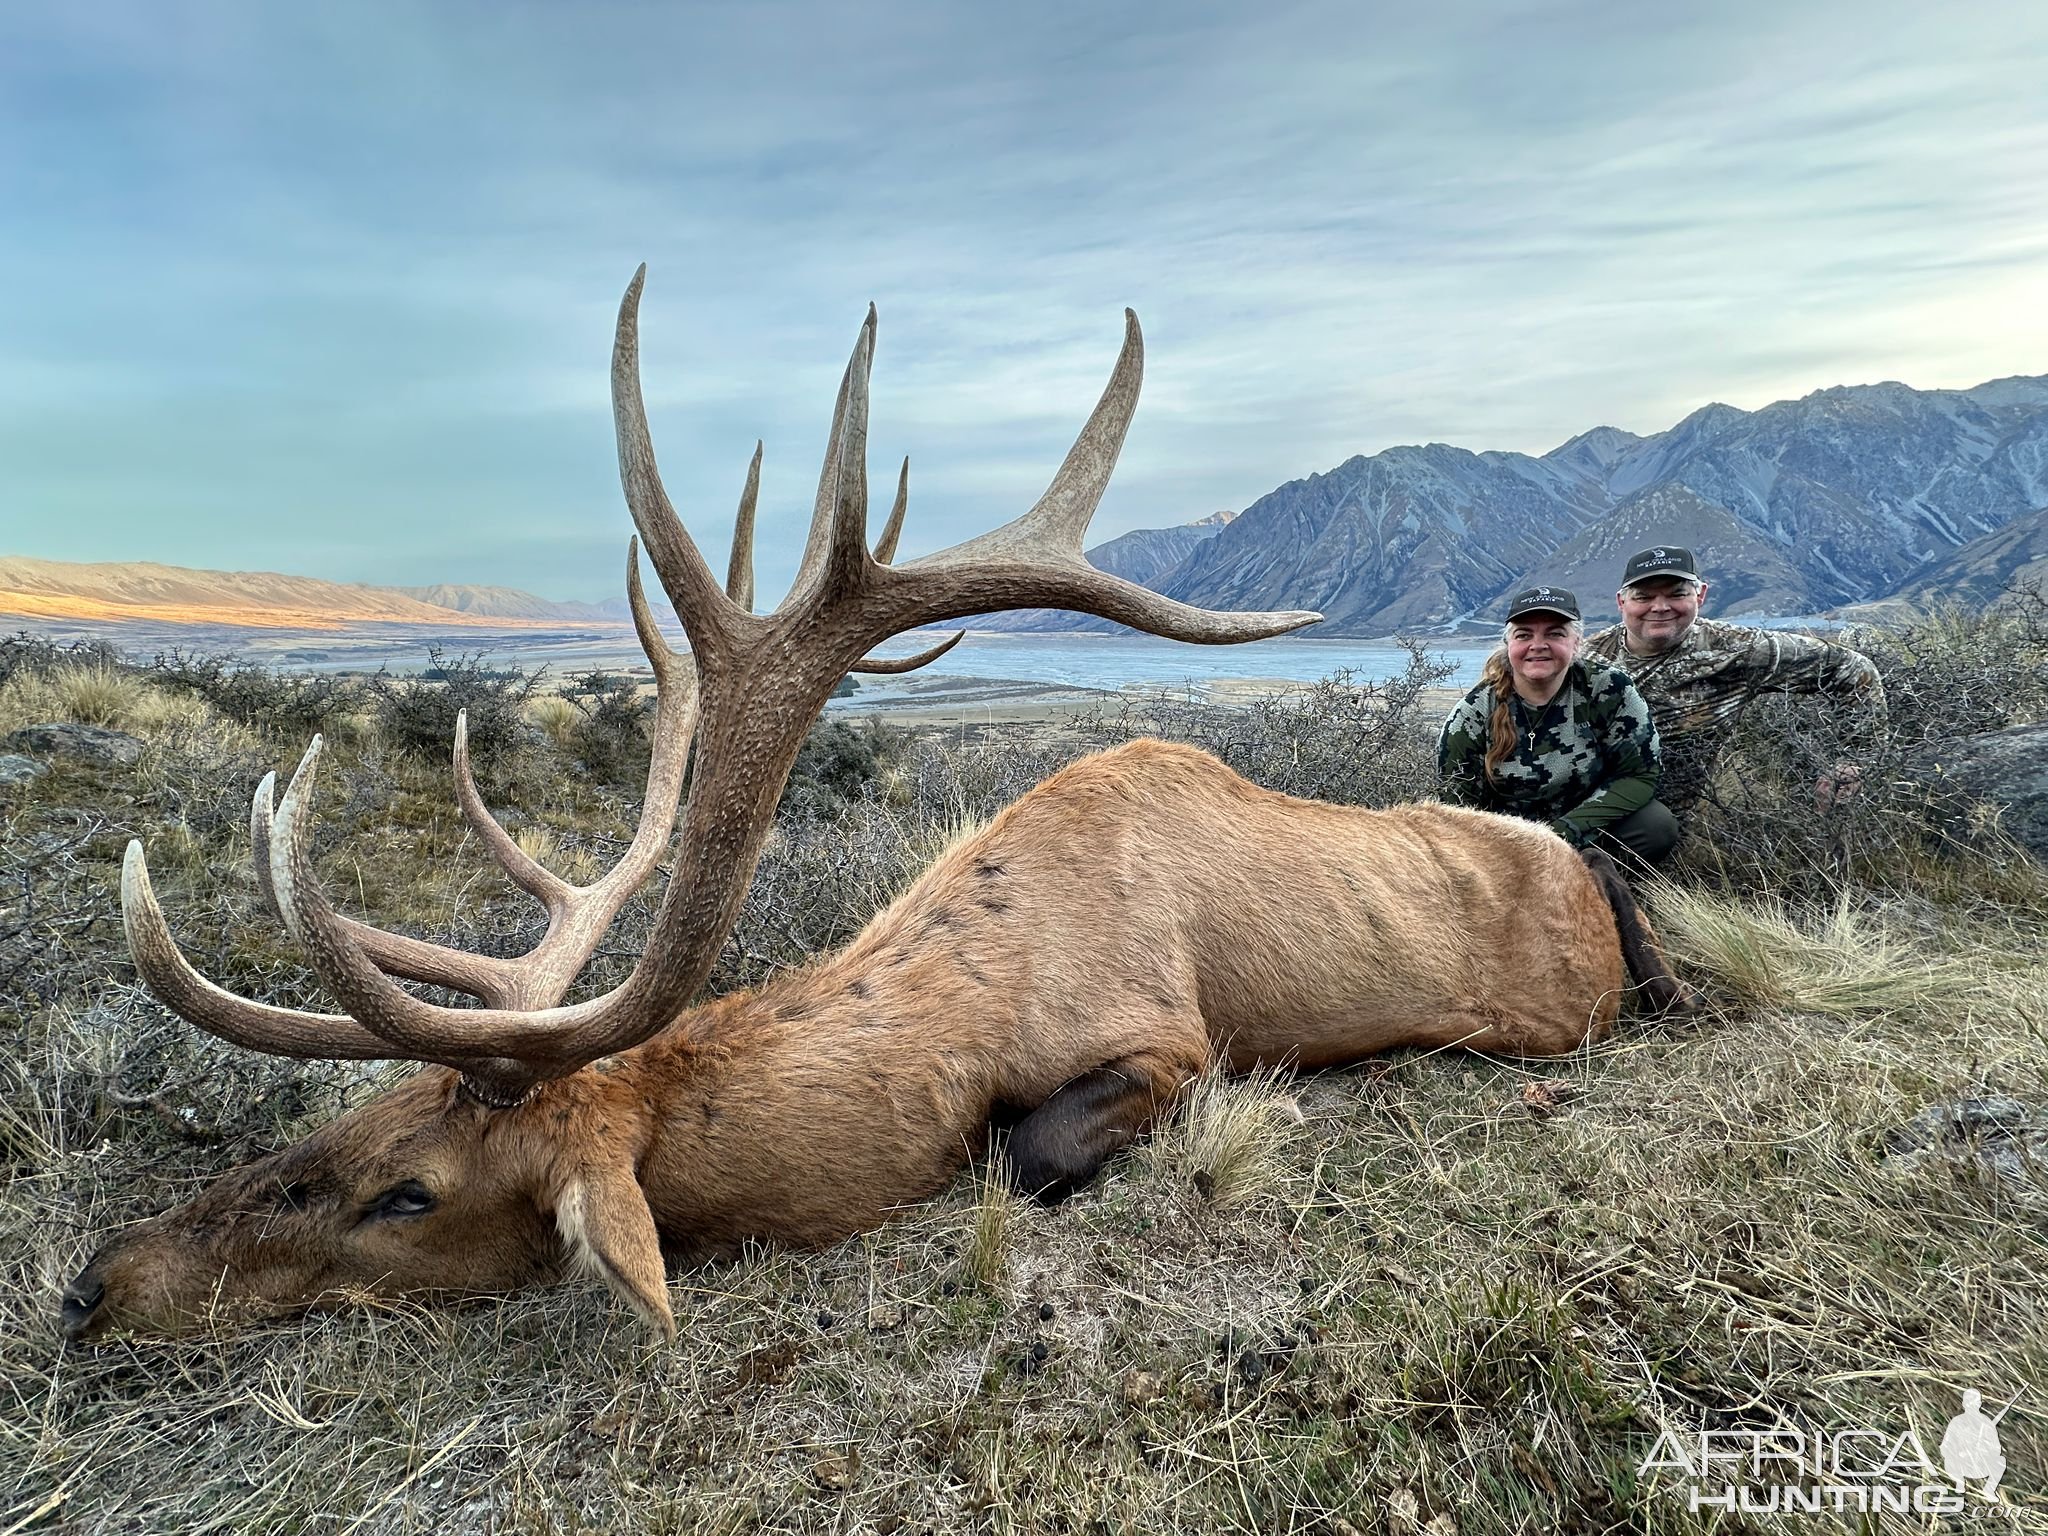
(1805, 504)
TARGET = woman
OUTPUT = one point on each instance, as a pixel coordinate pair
(1553, 738)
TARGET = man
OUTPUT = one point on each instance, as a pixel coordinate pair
(1697, 674)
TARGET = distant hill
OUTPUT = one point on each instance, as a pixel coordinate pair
(169, 594)
(1842, 496)
(511, 603)
(2012, 558)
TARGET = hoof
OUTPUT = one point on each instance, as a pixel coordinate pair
(1668, 999)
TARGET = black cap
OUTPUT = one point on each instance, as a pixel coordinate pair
(1544, 600)
(1663, 560)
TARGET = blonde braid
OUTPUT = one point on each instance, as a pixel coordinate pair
(1497, 675)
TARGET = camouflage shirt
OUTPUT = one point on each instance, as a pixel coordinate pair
(1698, 688)
(1583, 761)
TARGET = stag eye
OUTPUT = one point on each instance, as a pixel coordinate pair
(411, 1198)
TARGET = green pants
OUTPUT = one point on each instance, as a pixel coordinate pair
(1641, 837)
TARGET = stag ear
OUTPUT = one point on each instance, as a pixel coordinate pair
(603, 1218)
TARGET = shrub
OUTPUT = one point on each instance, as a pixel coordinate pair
(27, 655)
(607, 727)
(290, 705)
(1949, 675)
(1340, 739)
(839, 763)
(417, 714)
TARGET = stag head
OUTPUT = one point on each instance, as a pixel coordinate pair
(519, 1158)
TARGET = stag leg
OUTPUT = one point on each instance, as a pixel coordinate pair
(1662, 992)
(1063, 1143)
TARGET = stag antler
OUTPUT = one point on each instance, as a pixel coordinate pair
(762, 680)
(578, 916)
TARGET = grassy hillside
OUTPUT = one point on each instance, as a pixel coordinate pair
(1436, 1293)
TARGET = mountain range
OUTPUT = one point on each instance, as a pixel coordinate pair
(1846, 496)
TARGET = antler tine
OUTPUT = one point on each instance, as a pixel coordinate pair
(261, 809)
(710, 618)
(675, 723)
(885, 546)
(739, 576)
(1036, 560)
(549, 889)
(819, 541)
(894, 664)
(846, 549)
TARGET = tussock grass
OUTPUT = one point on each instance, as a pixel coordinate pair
(556, 716)
(1228, 1143)
(92, 693)
(1840, 963)
(1438, 1292)
(996, 1216)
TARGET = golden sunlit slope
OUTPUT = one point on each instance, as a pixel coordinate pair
(169, 594)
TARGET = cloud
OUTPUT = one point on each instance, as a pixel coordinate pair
(331, 290)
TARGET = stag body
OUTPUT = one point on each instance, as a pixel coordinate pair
(1137, 916)
(1142, 914)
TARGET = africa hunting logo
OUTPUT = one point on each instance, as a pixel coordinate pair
(1793, 1470)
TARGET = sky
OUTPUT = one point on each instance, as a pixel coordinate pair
(329, 289)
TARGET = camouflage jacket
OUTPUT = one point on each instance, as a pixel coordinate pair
(1583, 761)
(1698, 688)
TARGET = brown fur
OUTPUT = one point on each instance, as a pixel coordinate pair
(1145, 907)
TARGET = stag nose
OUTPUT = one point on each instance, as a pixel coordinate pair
(82, 1298)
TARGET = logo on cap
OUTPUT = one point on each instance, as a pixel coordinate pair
(1549, 599)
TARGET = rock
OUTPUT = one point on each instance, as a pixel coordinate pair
(835, 1474)
(86, 743)
(2002, 1133)
(16, 769)
(1141, 1387)
(2008, 769)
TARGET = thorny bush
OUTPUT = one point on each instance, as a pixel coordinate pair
(25, 655)
(292, 705)
(1762, 824)
(610, 734)
(417, 714)
(1341, 739)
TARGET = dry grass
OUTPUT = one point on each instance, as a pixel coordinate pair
(556, 716)
(1229, 1142)
(92, 693)
(1843, 962)
(1435, 1293)
(996, 1216)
